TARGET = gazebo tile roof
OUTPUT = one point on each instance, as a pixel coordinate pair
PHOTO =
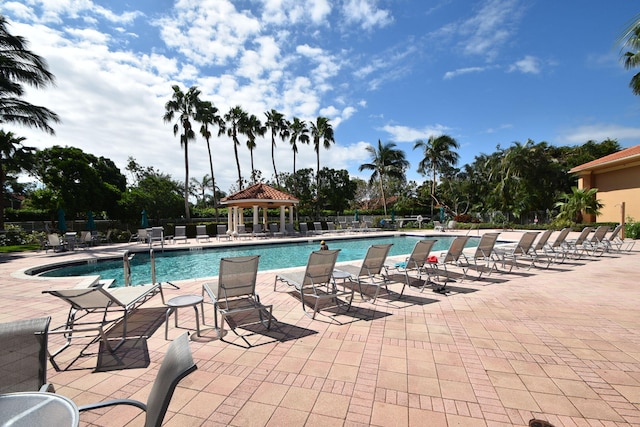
(259, 192)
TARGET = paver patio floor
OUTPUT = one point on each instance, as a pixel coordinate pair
(560, 344)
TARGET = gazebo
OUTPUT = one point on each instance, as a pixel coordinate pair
(255, 197)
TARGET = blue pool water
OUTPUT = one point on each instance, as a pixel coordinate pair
(182, 265)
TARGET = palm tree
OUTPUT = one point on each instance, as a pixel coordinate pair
(630, 39)
(299, 132)
(438, 155)
(199, 188)
(321, 130)
(236, 119)
(386, 161)
(581, 200)
(13, 157)
(253, 128)
(279, 126)
(184, 105)
(206, 115)
(17, 66)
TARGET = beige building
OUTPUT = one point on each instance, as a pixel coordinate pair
(617, 178)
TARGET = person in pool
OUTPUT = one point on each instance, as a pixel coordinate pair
(323, 246)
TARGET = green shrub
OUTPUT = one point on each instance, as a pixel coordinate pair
(632, 229)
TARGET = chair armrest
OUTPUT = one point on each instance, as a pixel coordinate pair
(47, 388)
(114, 402)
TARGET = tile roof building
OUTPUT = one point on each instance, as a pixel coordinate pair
(617, 178)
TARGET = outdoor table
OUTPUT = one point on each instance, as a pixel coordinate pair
(33, 409)
(183, 301)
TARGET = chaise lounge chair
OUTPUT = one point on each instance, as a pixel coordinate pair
(417, 263)
(316, 281)
(180, 234)
(23, 355)
(484, 254)
(615, 243)
(201, 233)
(453, 256)
(177, 364)
(234, 293)
(103, 302)
(370, 272)
(521, 250)
(221, 232)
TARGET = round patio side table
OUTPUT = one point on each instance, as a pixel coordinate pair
(183, 301)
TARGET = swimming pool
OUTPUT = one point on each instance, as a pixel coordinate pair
(198, 262)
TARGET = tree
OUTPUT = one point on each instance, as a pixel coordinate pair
(279, 126)
(630, 39)
(253, 128)
(336, 190)
(20, 66)
(321, 131)
(206, 115)
(199, 188)
(80, 181)
(581, 200)
(299, 132)
(236, 120)
(14, 157)
(385, 161)
(185, 106)
(438, 153)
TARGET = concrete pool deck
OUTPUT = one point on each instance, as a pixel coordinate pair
(560, 344)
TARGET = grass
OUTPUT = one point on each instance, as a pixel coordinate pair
(19, 248)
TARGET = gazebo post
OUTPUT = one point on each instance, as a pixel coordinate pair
(291, 214)
(256, 208)
(230, 226)
(282, 218)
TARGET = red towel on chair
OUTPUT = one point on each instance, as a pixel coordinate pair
(432, 258)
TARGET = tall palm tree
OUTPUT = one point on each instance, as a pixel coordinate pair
(20, 66)
(630, 39)
(386, 161)
(438, 155)
(299, 132)
(184, 106)
(253, 128)
(236, 119)
(207, 115)
(13, 157)
(279, 126)
(321, 130)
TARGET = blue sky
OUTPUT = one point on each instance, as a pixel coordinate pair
(486, 72)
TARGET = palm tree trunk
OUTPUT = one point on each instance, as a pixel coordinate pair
(384, 201)
(253, 170)
(235, 150)
(187, 214)
(213, 179)
(273, 160)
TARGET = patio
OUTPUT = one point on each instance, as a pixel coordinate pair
(561, 344)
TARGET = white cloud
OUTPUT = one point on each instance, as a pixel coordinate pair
(400, 133)
(527, 65)
(366, 14)
(600, 132)
(461, 71)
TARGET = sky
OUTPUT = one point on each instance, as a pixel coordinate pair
(486, 72)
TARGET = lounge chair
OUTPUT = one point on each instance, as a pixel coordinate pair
(521, 250)
(372, 271)
(616, 243)
(23, 355)
(201, 233)
(576, 247)
(317, 228)
(221, 232)
(234, 293)
(54, 242)
(596, 244)
(538, 249)
(454, 256)
(304, 229)
(140, 236)
(316, 281)
(483, 258)
(417, 263)
(98, 300)
(290, 231)
(180, 234)
(556, 249)
(258, 231)
(177, 364)
(242, 232)
(273, 230)
(157, 236)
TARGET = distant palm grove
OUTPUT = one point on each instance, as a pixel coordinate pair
(516, 183)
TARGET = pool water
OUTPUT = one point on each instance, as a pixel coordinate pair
(182, 265)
